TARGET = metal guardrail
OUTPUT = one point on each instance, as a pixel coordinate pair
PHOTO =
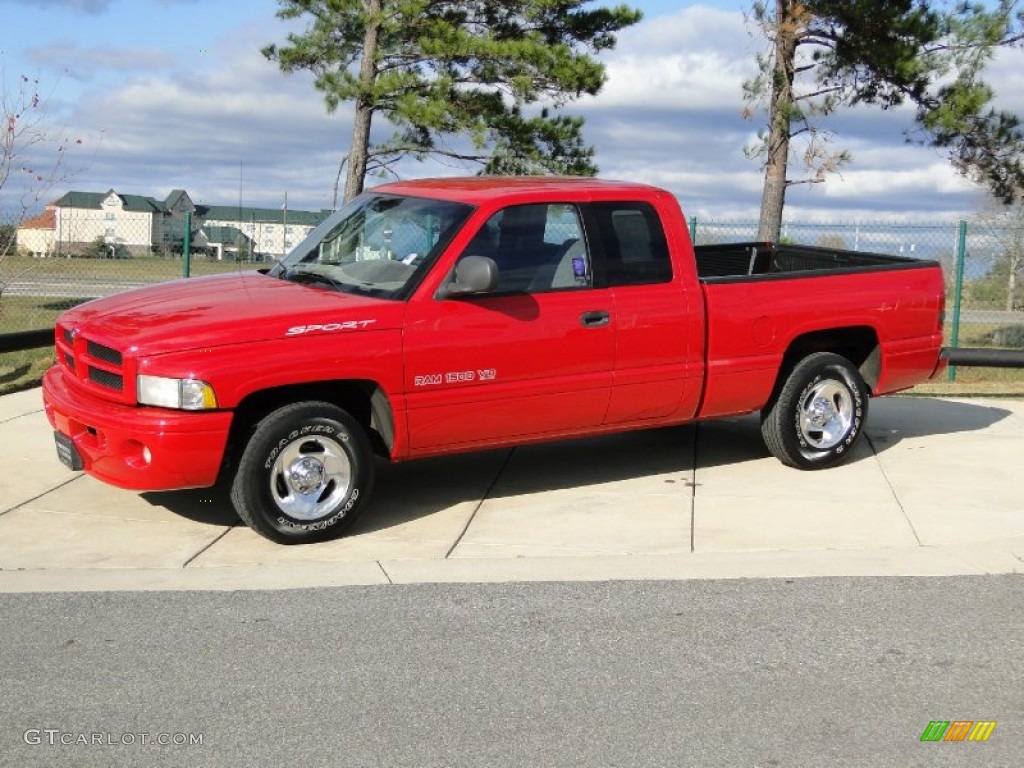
(16, 342)
(984, 357)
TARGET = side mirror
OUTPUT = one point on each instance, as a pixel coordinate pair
(473, 274)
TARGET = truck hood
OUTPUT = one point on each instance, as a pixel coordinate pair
(220, 310)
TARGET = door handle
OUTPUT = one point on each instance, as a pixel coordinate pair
(595, 319)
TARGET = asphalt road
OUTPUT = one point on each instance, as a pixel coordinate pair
(805, 672)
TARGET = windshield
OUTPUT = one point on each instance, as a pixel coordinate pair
(378, 245)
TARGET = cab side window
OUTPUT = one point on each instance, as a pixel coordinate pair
(635, 248)
(537, 248)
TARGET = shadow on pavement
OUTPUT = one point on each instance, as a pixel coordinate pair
(210, 506)
(408, 491)
(893, 419)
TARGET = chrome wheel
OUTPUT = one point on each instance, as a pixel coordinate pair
(826, 414)
(310, 477)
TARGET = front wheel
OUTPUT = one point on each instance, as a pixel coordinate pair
(819, 413)
(304, 475)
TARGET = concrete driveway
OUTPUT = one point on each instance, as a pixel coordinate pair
(935, 489)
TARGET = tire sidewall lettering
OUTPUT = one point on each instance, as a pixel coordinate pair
(309, 429)
(796, 414)
(321, 525)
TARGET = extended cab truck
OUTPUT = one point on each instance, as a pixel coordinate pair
(432, 317)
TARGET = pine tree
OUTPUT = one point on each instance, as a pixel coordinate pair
(452, 71)
(826, 55)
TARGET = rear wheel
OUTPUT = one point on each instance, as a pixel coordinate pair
(304, 475)
(819, 413)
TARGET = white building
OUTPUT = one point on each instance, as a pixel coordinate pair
(115, 224)
(36, 236)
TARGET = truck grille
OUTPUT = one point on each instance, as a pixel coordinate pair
(106, 378)
(106, 354)
(97, 367)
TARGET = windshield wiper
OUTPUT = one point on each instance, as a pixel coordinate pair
(297, 275)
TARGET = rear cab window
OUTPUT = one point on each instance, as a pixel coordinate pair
(634, 250)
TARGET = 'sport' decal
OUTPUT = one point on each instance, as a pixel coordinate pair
(347, 325)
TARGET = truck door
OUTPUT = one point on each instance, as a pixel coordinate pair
(533, 357)
(658, 325)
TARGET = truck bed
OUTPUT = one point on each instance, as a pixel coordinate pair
(740, 261)
(759, 297)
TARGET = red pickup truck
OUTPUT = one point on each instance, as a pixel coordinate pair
(437, 316)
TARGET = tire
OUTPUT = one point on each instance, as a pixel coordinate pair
(305, 474)
(819, 414)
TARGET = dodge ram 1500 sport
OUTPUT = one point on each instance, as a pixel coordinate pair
(435, 316)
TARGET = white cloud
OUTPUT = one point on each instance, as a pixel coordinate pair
(1006, 76)
(690, 59)
(82, 63)
(194, 127)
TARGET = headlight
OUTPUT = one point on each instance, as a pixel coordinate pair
(188, 394)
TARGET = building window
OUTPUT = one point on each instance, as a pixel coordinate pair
(110, 232)
(110, 215)
(270, 229)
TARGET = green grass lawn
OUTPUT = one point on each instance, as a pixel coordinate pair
(27, 313)
(21, 313)
(23, 370)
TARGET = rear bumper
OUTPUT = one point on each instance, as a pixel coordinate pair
(141, 448)
(908, 362)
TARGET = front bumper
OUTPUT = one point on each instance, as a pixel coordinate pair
(138, 447)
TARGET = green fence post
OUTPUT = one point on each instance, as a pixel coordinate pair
(958, 289)
(693, 230)
(185, 261)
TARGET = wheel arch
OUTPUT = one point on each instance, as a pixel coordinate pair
(857, 343)
(364, 399)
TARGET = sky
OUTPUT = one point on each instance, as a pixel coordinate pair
(166, 94)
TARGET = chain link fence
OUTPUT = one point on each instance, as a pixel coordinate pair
(66, 256)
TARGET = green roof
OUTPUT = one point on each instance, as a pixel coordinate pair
(240, 214)
(173, 198)
(136, 203)
(225, 235)
(260, 215)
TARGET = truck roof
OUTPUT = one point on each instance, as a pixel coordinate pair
(479, 189)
